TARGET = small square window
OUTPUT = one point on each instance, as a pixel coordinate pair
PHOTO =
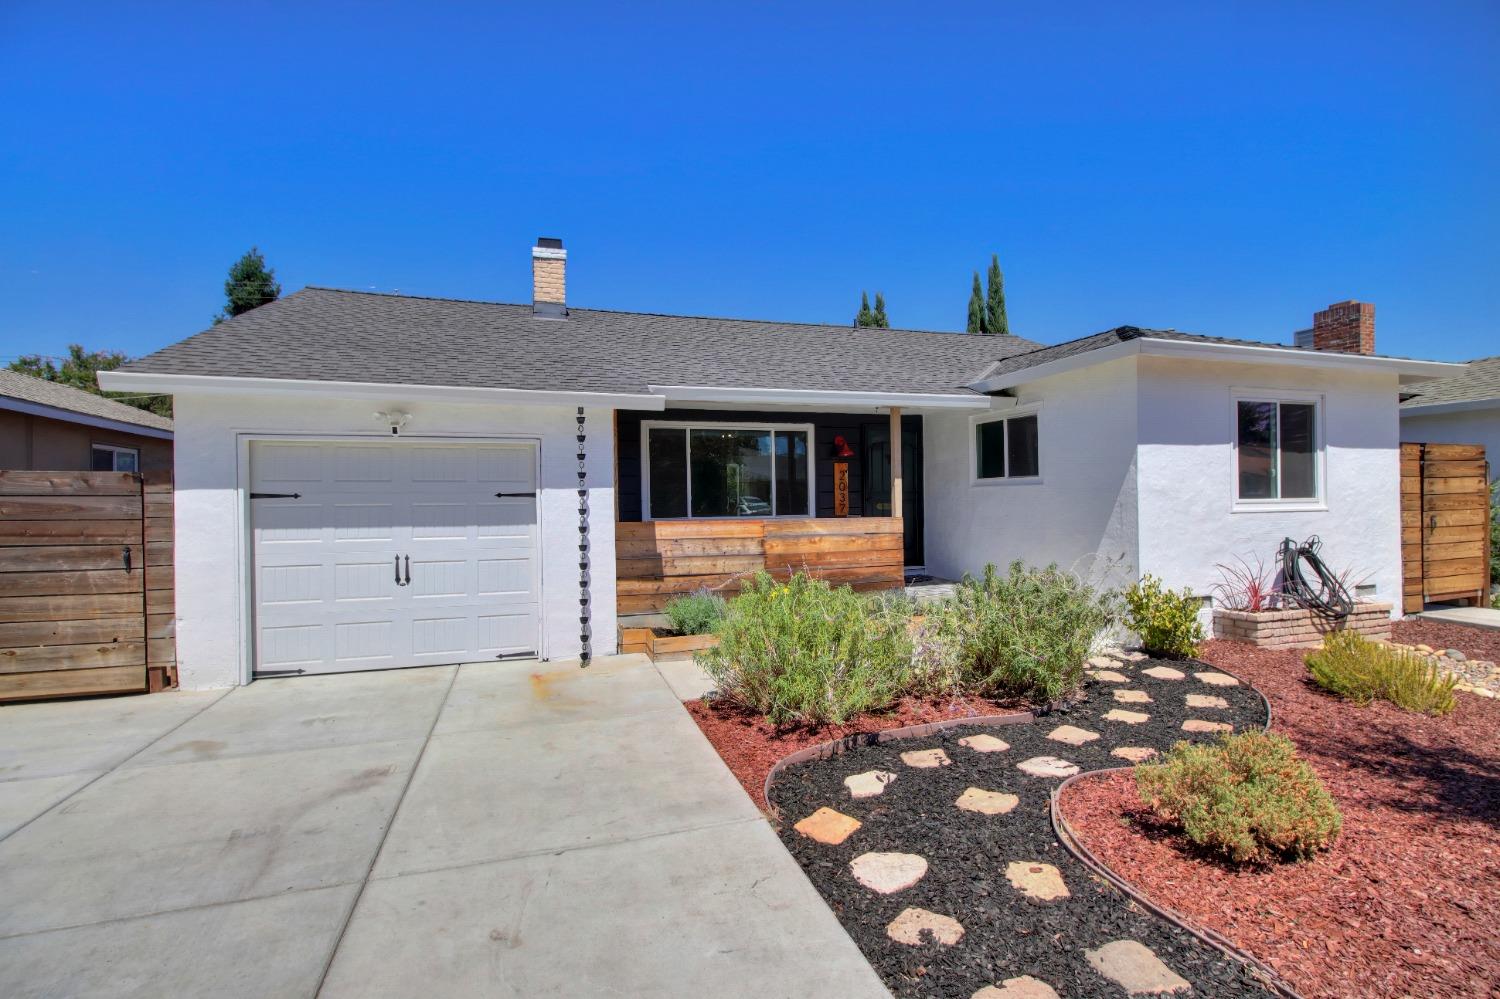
(1007, 448)
(1276, 450)
(108, 458)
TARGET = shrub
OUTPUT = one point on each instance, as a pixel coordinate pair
(1357, 669)
(937, 636)
(1167, 622)
(1246, 796)
(801, 651)
(696, 613)
(1027, 632)
(1246, 586)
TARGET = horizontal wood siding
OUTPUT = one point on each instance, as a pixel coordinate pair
(658, 560)
(1444, 524)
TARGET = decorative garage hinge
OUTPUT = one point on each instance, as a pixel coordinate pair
(586, 651)
(275, 495)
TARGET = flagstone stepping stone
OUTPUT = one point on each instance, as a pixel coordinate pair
(1134, 657)
(1199, 725)
(1165, 673)
(925, 759)
(1104, 662)
(1048, 766)
(868, 784)
(1206, 701)
(1109, 676)
(827, 826)
(1072, 735)
(1024, 987)
(1033, 879)
(1128, 717)
(1132, 697)
(913, 924)
(983, 743)
(1135, 754)
(1135, 968)
(986, 802)
(888, 873)
(1217, 679)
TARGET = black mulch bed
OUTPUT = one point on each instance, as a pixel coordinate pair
(1006, 934)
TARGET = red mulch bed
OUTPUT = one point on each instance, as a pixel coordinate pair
(751, 746)
(1404, 903)
(1476, 643)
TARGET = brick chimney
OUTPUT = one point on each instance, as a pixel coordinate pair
(1345, 326)
(549, 278)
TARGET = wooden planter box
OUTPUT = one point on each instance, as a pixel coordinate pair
(662, 647)
(1297, 628)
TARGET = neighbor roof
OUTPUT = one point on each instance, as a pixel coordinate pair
(1480, 382)
(39, 391)
(326, 334)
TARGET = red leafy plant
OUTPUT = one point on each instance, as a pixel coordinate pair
(1246, 586)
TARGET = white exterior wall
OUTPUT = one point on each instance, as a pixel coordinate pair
(1084, 504)
(212, 541)
(1187, 473)
(1473, 426)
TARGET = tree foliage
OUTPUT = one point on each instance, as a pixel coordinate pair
(250, 284)
(864, 317)
(995, 321)
(881, 321)
(80, 370)
(976, 322)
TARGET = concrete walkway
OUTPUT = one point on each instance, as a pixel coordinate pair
(515, 829)
(1474, 617)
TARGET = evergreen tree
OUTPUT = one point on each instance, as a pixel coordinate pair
(976, 308)
(880, 319)
(250, 284)
(80, 370)
(995, 321)
(864, 317)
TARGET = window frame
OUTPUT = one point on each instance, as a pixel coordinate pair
(690, 425)
(116, 450)
(1018, 412)
(1318, 502)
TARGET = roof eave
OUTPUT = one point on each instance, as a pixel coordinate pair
(1460, 406)
(679, 395)
(82, 419)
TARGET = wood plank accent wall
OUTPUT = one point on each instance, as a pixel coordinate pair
(1445, 511)
(658, 560)
(86, 599)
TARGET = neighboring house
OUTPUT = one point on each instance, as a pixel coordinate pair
(367, 481)
(51, 427)
(1463, 409)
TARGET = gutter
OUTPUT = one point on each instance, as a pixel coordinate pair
(83, 419)
(681, 394)
(1434, 408)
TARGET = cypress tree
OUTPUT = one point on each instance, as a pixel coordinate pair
(879, 319)
(976, 308)
(995, 319)
(864, 317)
(250, 284)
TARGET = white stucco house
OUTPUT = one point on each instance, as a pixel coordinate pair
(1462, 409)
(369, 481)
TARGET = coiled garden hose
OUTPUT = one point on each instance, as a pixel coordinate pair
(1329, 596)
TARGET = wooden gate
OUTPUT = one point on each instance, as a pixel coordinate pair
(1445, 512)
(86, 601)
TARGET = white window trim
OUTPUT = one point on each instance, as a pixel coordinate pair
(1319, 503)
(116, 449)
(1032, 409)
(812, 478)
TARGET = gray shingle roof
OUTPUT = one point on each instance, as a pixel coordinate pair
(1479, 382)
(44, 393)
(325, 334)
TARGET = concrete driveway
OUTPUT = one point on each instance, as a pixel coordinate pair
(494, 829)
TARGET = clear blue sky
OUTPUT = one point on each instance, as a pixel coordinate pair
(1218, 168)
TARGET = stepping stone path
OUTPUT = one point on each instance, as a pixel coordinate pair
(868, 784)
(1133, 657)
(1109, 676)
(1042, 882)
(1135, 968)
(1132, 697)
(926, 759)
(984, 743)
(1048, 766)
(1128, 717)
(913, 923)
(1217, 679)
(1206, 701)
(1135, 754)
(1199, 725)
(986, 802)
(1104, 662)
(1072, 735)
(1165, 673)
(1024, 987)
(888, 873)
(827, 826)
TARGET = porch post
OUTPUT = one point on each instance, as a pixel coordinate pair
(895, 449)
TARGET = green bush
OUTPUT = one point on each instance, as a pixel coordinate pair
(1027, 632)
(1359, 670)
(1167, 622)
(803, 652)
(1246, 796)
(696, 613)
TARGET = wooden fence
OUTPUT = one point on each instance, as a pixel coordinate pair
(1445, 512)
(86, 598)
(658, 560)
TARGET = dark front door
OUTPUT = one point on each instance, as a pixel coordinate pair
(876, 491)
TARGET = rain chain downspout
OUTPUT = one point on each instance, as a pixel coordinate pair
(586, 650)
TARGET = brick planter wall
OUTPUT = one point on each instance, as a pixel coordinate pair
(1299, 628)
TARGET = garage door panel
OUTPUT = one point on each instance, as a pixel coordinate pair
(364, 581)
(440, 579)
(292, 584)
(507, 634)
(504, 576)
(364, 521)
(286, 464)
(362, 463)
(448, 635)
(362, 642)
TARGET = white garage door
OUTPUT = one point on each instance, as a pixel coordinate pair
(379, 555)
